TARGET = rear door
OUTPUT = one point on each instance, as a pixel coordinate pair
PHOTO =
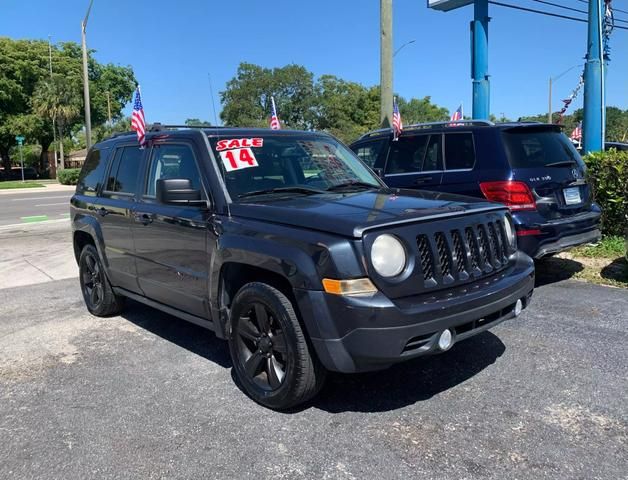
(416, 162)
(544, 158)
(458, 176)
(114, 208)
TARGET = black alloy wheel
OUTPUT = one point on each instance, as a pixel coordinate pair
(99, 297)
(271, 356)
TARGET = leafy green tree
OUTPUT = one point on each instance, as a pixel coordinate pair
(58, 100)
(421, 110)
(197, 122)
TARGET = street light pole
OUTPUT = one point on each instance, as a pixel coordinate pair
(88, 115)
(399, 49)
(54, 127)
(386, 68)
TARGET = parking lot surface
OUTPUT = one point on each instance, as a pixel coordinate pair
(144, 395)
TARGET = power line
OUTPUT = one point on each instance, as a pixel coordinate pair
(616, 9)
(542, 12)
(561, 6)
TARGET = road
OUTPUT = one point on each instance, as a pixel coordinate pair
(144, 395)
(30, 206)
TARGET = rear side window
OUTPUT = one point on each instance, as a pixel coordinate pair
(92, 173)
(369, 152)
(530, 148)
(124, 170)
(172, 161)
(420, 153)
(459, 151)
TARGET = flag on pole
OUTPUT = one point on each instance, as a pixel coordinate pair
(397, 124)
(274, 119)
(576, 135)
(457, 115)
(138, 122)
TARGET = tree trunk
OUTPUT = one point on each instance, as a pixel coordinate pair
(62, 166)
(45, 145)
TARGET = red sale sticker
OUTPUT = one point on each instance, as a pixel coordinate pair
(238, 158)
(239, 143)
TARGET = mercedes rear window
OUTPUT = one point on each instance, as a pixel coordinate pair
(533, 148)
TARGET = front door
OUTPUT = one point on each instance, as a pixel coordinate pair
(171, 242)
(416, 162)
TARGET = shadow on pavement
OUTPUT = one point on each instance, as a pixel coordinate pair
(555, 269)
(410, 382)
(193, 338)
(401, 385)
(616, 270)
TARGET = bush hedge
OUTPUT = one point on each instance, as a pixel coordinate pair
(68, 176)
(608, 176)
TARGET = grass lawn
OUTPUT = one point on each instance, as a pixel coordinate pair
(604, 263)
(19, 184)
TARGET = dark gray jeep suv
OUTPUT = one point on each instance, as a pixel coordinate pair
(288, 246)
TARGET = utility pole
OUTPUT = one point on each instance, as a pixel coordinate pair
(594, 114)
(88, 113)
(479, 60)
(54, 127)
(386, 63)
(549, 110)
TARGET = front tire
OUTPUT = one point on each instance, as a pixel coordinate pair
(270, 354)
(99, 297)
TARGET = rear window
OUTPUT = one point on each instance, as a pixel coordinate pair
(459, 151)
(124, 171)
(527, 148)
(92, 173)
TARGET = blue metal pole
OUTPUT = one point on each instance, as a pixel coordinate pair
(593, 124)
(479, 61)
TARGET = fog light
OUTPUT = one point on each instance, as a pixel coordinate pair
(446, 340)
(518, 307)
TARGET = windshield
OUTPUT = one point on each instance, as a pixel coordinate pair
(279, 164)
(531, 148)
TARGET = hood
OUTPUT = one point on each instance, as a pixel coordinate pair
(351, 214)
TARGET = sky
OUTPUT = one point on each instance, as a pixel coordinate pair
(173, 47)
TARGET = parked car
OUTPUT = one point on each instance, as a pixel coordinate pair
(29, 173)
(532, 168)
(616, 145)
(286, 245)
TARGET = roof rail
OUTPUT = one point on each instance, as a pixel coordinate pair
(158, 127)
(428, 125)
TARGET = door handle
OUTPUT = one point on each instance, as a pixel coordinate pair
(144, 218)
(102, 211)
(423, 180)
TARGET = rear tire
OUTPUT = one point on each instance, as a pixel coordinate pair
(99, 297)
(271, 357)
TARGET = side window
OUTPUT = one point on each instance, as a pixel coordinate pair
(415, 154)
(92, 173)
(369, 152)
(124, 170)
(171, 161)
(459, 151)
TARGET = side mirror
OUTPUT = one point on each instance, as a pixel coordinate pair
(178, 191)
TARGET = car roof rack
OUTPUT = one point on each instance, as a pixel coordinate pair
(159, 127)
(429, 125)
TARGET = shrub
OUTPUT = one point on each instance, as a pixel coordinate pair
(68, 176)
(608, 176)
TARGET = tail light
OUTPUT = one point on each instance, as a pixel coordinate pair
(515, 195)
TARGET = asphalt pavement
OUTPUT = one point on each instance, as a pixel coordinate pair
(144, 395)
(26, 205)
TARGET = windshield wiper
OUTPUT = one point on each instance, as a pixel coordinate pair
(267, 191)
(352, 183)
(562, 163)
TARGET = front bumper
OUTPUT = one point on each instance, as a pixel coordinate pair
(353, 334)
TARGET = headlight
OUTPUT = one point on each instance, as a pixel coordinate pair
(510, 232)
(388, 256)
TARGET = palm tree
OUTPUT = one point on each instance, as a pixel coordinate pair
(59, 100)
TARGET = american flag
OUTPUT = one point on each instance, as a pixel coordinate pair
(576, 135)
(274, 119)
(138, 123)
(397, 124)
(457, 115)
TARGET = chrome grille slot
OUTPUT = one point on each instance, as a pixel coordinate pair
(443, 254)
(459, 256)
(426, 257)
(483, 242)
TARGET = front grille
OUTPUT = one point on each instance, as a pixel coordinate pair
(473, 251)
